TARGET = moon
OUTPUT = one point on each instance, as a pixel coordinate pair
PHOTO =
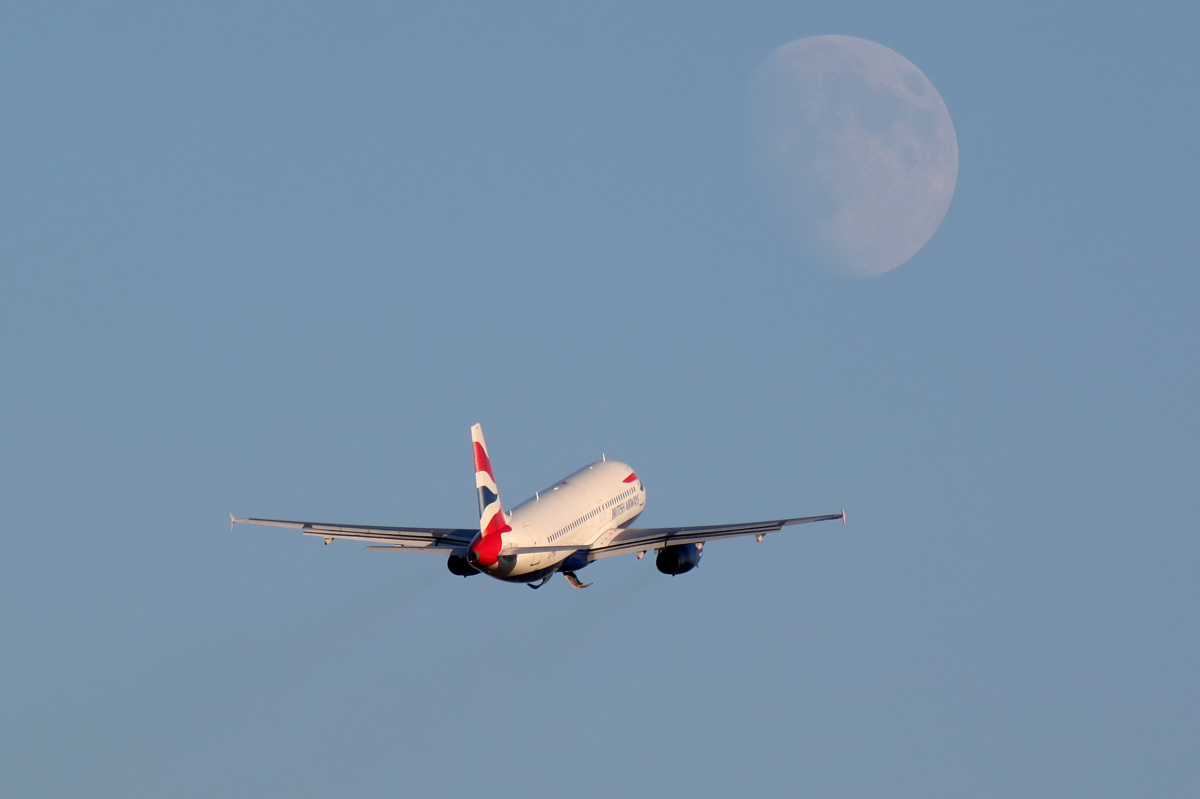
(855, 149)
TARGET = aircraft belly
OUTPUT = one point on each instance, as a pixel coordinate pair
(526, 576)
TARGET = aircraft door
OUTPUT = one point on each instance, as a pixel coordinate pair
(534, 540)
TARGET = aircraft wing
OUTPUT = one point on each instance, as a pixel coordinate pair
(442, 540)
(640, 540)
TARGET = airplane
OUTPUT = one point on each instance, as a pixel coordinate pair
(580, 519)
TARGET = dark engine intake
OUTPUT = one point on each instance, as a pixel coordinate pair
(459, 565)
(678, 559)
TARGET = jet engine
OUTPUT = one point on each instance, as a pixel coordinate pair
(678, 559)
(459, 565)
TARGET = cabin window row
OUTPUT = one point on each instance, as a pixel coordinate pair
(574, 524)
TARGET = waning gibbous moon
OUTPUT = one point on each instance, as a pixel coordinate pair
(856, 150)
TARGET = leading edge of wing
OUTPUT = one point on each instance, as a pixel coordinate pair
(639, 540)
(429, 538)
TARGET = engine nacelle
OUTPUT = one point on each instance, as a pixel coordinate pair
(678, 559)
(459, 565)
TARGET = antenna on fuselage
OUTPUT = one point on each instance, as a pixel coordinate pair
(603, 457)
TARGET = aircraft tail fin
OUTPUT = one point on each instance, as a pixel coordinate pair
(492, 520)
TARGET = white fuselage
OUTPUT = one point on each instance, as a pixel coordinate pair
(584, 510)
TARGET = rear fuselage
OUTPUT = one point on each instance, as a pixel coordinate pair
(580, 511)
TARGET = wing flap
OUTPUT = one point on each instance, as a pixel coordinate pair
(442, 539)
(432, 549)
(642, 539)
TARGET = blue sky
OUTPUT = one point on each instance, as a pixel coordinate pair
(276, 259)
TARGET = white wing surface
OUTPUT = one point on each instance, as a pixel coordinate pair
(443, 540)
(641, 540)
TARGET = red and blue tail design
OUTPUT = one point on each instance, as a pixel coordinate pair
(485, 549)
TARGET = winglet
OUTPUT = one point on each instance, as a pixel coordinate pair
(843, 517)
(232, 521)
